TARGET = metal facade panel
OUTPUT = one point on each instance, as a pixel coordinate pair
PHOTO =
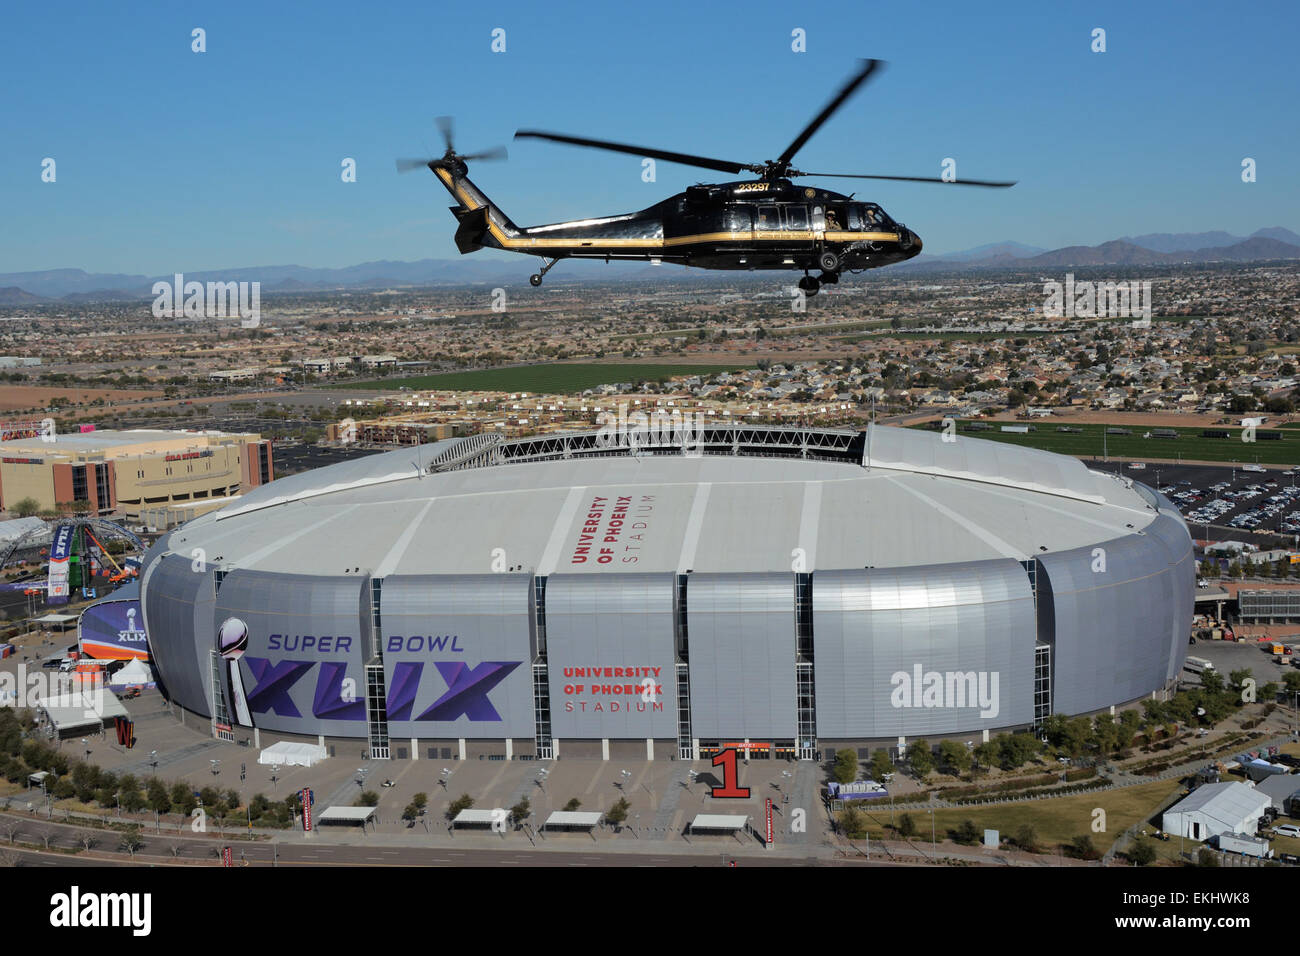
(1120, 627)
(609, 634)
(177, 609)
(741, 631)
(924, 650)
(458, 655)
(303, 670)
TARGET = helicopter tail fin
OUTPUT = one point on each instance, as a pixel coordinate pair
(482, 223)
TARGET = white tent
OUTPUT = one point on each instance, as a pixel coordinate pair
(135, 674)
(78, 710)
(288, 754)
(1214, 809)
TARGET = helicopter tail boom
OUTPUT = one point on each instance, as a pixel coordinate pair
(482, 223)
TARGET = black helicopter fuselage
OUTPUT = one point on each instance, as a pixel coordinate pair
(755, 224)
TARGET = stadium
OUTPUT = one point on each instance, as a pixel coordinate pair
(659, 595)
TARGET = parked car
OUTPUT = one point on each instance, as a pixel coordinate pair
(1287, 830)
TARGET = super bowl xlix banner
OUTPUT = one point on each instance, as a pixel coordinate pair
(60, 555)
(113, 631)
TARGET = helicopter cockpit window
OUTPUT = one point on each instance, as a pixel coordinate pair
(837, 218)
(768, 219)
(871, 217)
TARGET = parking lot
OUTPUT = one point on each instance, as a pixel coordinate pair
(1220, 501)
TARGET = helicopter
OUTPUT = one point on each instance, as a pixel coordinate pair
(768, 222)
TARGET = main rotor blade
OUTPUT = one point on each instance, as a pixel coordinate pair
(868, 67)
(410, 165)
(998, 184)
(686, 159)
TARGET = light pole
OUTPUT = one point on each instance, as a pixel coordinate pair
(215, 767)
(275, 774)
(694, 774)
(541, 779)
(933, 843)
(153, 760)
(443, 776)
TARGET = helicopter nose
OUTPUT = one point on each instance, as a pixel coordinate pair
(916, 243)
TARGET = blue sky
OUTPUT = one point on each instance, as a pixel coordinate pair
(169, 160)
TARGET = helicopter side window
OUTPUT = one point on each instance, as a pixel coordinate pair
(739, 219)
(796, 218)
(837, 218)
(768, 219)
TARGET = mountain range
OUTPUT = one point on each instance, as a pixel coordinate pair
(77, 285)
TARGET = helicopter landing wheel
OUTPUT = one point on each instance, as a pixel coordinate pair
(536, 277)
(809, 285)
(829, 278)
(829, 261)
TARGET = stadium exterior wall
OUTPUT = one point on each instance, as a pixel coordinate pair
(916, 651)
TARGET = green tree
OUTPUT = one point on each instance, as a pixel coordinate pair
(853, 823)
(955, 755)
(572, 805)
(519, 812)
(367, 798)
(967, 833)
(421, 800)
(1141, 851)
(906, 826)
(1081, 848)
(881, 764)
(159, 799)
(920, 757)
(131, 840)
(463, 802)
(618, 812)
(1026, 838)
(26, 507)
(846, 766)
(411, 813)
(182, 798)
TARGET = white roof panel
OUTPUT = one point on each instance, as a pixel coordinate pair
(932, 503)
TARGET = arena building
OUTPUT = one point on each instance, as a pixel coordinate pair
(125, 471)
(602, 594)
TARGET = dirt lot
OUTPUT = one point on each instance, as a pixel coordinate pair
(21, 397)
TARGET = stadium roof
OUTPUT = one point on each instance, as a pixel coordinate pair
(895, 498)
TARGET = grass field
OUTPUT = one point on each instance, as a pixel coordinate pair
(1189, 445)
(557, 379)
(1056, 821)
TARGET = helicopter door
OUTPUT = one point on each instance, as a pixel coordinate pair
(768, 219)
